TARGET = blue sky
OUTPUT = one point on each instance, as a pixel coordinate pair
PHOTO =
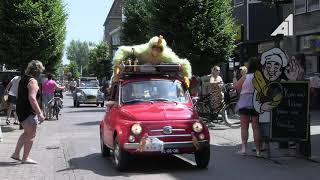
(85, 20)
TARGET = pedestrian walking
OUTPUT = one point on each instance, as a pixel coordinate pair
(11, 90)
(48, 88)
(246, 109)
(28, 111)
(2, 89)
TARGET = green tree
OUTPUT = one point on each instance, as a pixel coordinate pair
(78, 52)
(72, 69)
(100, 61)
(201, 30)
(135, 27)
(32, 29)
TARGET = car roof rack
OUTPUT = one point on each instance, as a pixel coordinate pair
(164, 70)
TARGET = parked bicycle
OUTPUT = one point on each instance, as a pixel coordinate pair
(225, 113)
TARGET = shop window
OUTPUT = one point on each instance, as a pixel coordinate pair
(313, 5)
(311, 64)
(299, 6)
(238, 2)
(305, 42)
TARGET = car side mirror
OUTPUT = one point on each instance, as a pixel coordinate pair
(195, 99)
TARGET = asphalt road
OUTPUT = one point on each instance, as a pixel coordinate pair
(78, 137)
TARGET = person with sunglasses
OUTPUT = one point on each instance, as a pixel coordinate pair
(216, 87)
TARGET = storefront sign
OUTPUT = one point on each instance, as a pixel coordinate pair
(262, 47)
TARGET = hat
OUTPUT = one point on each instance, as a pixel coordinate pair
(274, 55)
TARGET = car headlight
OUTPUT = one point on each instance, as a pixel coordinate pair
(80, 93)
(136, 129)
(197, 127)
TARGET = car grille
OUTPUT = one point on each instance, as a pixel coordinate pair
(91, 97)
(175, 133)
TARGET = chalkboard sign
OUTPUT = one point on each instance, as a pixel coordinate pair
(290, 120)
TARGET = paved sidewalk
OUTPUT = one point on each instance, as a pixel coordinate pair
(232, 137)
(46, 151)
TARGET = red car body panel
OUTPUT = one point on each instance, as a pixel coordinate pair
(153, 117)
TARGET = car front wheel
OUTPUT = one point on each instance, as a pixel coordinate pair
(120, 157)
(202, 157)
(105, 151)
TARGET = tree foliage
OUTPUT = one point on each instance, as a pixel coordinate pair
(99, 61)
(71, 70)
(32, 29)
(200, 30)
(78, 52)
(135, 27)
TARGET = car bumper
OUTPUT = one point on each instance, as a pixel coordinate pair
(185, 146)
(90, 100)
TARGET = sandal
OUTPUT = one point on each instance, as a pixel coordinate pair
(15, 157)
(258, 154)
(29, 161)
(242, 153)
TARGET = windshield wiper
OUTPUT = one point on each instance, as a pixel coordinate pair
(163, 100)
(159, 99)
(136, 101)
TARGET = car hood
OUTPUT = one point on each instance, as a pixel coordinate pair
(158, 111)
(90, 92)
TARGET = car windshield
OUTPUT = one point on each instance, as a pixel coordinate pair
(85, 84)
(154, 90)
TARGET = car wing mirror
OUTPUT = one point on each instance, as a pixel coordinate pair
(195, 99)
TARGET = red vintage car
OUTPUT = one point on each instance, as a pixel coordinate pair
(152, 114)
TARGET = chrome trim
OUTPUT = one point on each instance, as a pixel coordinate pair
(171, 135)
(173, 130)
(183, 144)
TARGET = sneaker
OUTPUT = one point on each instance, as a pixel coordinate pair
(8, 122)
(16, 123)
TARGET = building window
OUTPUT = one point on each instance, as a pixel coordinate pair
(115, 40)
(313, 5)
(238, 2)
(299, 6)
(123, 17)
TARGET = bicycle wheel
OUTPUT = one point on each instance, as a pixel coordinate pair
(57, 112)
(229, 115)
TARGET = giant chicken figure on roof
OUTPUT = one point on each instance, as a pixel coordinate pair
(154, 52)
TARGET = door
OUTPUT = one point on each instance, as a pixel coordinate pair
(110, 117)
